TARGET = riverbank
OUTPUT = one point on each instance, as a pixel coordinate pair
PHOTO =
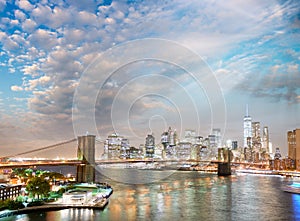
(52, 207)
(96, 203)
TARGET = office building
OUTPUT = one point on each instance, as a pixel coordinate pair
(293, 138)
(247, 129)
(149, 146)
(116, 147)
(217, 133)
(256, 138)
(265, 139)
(190, 136)
(183, 150)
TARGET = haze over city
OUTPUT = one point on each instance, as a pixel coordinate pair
(248, 49)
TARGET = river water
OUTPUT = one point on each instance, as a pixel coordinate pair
(186, 195)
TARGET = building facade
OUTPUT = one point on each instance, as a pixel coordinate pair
(116, 147)
(247, 129)
(149, 146)
(265, 139)
(256, 138)
(218, 139)
(293, 138)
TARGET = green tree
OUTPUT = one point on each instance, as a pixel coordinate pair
(38, 186)
(53, 176)
(23, 174)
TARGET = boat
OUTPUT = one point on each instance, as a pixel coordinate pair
(292, 188)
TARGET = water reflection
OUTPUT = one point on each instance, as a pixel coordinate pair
(190, 196)
(296, 205)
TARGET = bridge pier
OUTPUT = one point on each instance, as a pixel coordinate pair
(224, 168)
(86, 154)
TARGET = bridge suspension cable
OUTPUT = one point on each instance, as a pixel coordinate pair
(42, 148)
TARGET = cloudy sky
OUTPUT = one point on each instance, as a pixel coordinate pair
(135, 67)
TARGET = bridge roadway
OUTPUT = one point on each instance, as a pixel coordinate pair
(34, 163)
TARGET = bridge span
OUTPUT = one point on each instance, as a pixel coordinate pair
(50, 162)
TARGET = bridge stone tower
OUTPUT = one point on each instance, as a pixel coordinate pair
(224, 168)
(86, 153)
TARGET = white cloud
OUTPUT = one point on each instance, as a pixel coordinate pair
(70, 35)
(2, 5)
(16, 88)
(12, 70)
(25, 5)
(42, 81)
(32, 70)
(20, 15)
(44, 39)
(28, 25)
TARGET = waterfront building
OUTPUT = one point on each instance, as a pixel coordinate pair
(190, 136)
(169, 140)
(212, 141)
(77, 197)
(199, 140)
(293, 138)
(266, 140)
(172, 137)
(142, 149)
(159, 151)
(135, 153)
(213, 145)
(183, 150)
(164, 140)
(217, 133)
(256, 138)
(149, 146)
(234, 145)
(206, 143)
(125, 149)
(9, 191)
(270, 147)
(247, 128)
(277, 154)
(195, 151)
(116, 147)
(229, 144)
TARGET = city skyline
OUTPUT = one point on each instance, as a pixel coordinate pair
(251, 49)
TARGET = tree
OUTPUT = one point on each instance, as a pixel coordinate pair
(38, 186)
(53, 176)
(23, 173)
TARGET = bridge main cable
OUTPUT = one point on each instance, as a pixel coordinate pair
(42, 148)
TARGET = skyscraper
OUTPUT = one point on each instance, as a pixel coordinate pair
(293, 138)
(150, 145)
(217, 133)
(265, 139)
(247, 127)
(256, 139)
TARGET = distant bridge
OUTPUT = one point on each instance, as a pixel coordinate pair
(50, 162)
(85, 166)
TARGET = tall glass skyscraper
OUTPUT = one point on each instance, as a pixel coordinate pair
(247, 128)
(266, 139)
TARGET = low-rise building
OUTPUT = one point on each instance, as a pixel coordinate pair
(77, 196)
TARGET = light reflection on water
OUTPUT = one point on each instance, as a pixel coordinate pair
(189, 196)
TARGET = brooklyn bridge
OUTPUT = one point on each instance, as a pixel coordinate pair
(86, 162)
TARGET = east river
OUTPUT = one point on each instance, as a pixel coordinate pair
(185, 195)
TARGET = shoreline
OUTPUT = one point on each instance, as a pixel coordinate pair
(58, 206)
(105, 200)
(53, 207)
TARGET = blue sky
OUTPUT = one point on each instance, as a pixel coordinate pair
(251, 47)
